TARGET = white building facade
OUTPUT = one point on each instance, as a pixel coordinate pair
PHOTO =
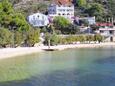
(38, 20)
(66, 11)
(108, 33)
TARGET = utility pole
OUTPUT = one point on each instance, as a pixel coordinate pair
(49, 44)
(112, 20)
(13, 38)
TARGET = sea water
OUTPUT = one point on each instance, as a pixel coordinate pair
(72, 67)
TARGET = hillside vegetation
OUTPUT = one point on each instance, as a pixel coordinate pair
(102, 9)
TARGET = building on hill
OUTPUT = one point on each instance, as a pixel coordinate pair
(89, 20)
(38, 20)
(107, 30)
(63, 8)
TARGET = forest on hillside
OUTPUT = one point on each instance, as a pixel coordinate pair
(102, 9)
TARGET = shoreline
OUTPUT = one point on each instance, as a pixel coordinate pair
(20, 51)
(71, 46)
(13, 52)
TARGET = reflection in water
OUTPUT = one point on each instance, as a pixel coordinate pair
(76, 67)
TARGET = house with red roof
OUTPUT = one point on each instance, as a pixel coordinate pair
(63, 8)
(107, 30)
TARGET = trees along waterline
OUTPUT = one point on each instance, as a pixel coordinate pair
(5, 37)
(71, 39)
(18, 38)
(81, 38)
(32, 37)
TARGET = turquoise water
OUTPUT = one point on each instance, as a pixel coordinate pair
(73, 67)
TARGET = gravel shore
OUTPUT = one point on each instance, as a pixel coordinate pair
(12, 52)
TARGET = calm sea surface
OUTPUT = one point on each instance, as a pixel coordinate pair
(73, 67)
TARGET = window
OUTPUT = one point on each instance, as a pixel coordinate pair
(67, 10)
(68, 14)
(101, 31)
(111, 32)
(63, 9)
(59, 14)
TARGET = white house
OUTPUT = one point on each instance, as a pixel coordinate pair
(66, 11)
(38, 20)
(108, 33)
(90, 20)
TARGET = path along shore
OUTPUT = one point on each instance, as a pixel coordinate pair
(12, 52)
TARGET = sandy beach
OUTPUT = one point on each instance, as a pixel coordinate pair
(12, 52)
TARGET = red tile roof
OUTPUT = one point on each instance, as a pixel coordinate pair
(63, 2)
(104, 24)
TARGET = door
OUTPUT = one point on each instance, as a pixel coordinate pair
(111, 39)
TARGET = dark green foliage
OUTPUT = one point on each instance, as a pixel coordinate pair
(18, 38)
(47, 38)
(85, 22)
(19, 22)
(81, 3)
(89, 38)
(32, 8)
(9, 19)
(71, 39)
(64, 26)
(102, 9)
(81, 38)
(95, 9)
(98, 37)
(71, 29)
(61, 22)
(32, 37)
(5, 37)
(111, 7)
(54, 39)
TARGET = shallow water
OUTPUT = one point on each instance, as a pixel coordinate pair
(73, 67)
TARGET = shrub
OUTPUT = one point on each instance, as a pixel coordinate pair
(32, 37)
(5, 37)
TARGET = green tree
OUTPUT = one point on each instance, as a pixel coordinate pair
(19, 22)
(47, 38)
(5, 37)
(111, 6)
(81, 38)
(60, 22)
(81, 3)
(97, 10)
(6, 7)
(72, 29)
(89, 38)
(32, 37)
(10, 19)
(98, 37)
(54, 39)
(18, 38)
